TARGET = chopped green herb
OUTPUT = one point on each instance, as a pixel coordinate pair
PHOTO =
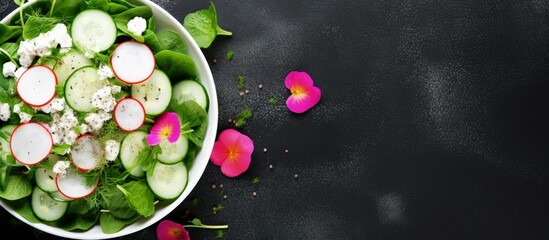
(195, 202)
(240, 83)
(219, 233)
(273, 101)
(255, 180)
(219, 207)
(230, 54)
(243, 117)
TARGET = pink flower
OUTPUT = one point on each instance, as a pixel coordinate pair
(168, 230)
(304, 94)
(233, 152)
(166, 127)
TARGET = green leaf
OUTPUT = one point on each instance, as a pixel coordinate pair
(122, 19)
(9, 32)
(140, 197)
(240, 82)
(191, 155)
(60, 149)
(219, 233)
(67, 9)
(203, 27)
(23, 208)
(36, 25)
(17, 187)
(230, 55)
(194, 120)
(178, 66)
(110, 224)
(80, 222)
(243, 117)
(11, 49)
(196, 222)
(171, 40)
(19, 2)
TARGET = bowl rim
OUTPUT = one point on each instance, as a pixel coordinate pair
(201, 159)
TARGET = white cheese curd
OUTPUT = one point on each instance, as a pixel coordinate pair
(96, 120)
(25, 117)
(62, 127)
(5, 112)
(112, 148)
(9, 69)
(105, 72)
(43, 44)
(103, 99)
(61, 167)
(56, 105)
(137, 25)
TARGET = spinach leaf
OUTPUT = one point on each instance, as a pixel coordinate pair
(9, 32)
(194, 120)
(36, 25)
(191, 154)
(152, 41)
(115, 8)
(202, 25)
(177, 66)
(11, 49)
(140, 197)
(122, 19)
(23, 208)
(118, 204)
(67, 9)
(72, 222)
(17, 187)
(170, 40)
(124, 3)
(38, 8)
(111, 224)
(98, 4)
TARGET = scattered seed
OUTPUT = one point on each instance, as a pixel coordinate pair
(286, 151)
(213, 186)
(241, 94)
(214, 209)
(220, 185)
(214, 60)
(254, 194)
(214, 212)
(246, 91)
(225, 196)
(270, 166)
(229, 120)
(296, 176)
(264, 149)
(260, 86)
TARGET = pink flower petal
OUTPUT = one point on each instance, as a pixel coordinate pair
(168, 230)
(305, 101)
(298, 78)
(219, 153)
(153, 138)
(233, 168)
(232, 151)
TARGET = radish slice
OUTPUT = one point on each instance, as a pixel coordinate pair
(36, 86)
(133, 62)
(73, 184)
(30, 143)
(129, 114)
(86, 152)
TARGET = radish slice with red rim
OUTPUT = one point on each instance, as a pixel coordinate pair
(30, 143)
(86, 152)
(129, 114)
(133, 62)
(36, 86)
(73, 184)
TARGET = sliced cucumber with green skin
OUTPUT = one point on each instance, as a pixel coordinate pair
(45, 207)
(80, 87)
(191, 90)
(59, 197)
(155, 93)
(45, 179)
(167, 181)
(69, 63)
(93, 30)
(173, 152)
(129, 150)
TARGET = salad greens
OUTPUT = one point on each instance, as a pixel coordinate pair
(121, 198)
(202, 25)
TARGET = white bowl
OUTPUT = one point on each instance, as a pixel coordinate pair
(163, 20)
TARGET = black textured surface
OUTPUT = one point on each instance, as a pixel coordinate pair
(432, 123)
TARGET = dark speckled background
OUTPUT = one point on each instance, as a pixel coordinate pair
(432, 123)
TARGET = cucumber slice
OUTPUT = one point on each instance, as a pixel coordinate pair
(45, 179)
(45, 207)
(191, 90)
(129, 149)
(93, 30)
(167, 181)
(81, 86)
(173, 152)
(155, 93)
(59, 197)
(69, 63)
